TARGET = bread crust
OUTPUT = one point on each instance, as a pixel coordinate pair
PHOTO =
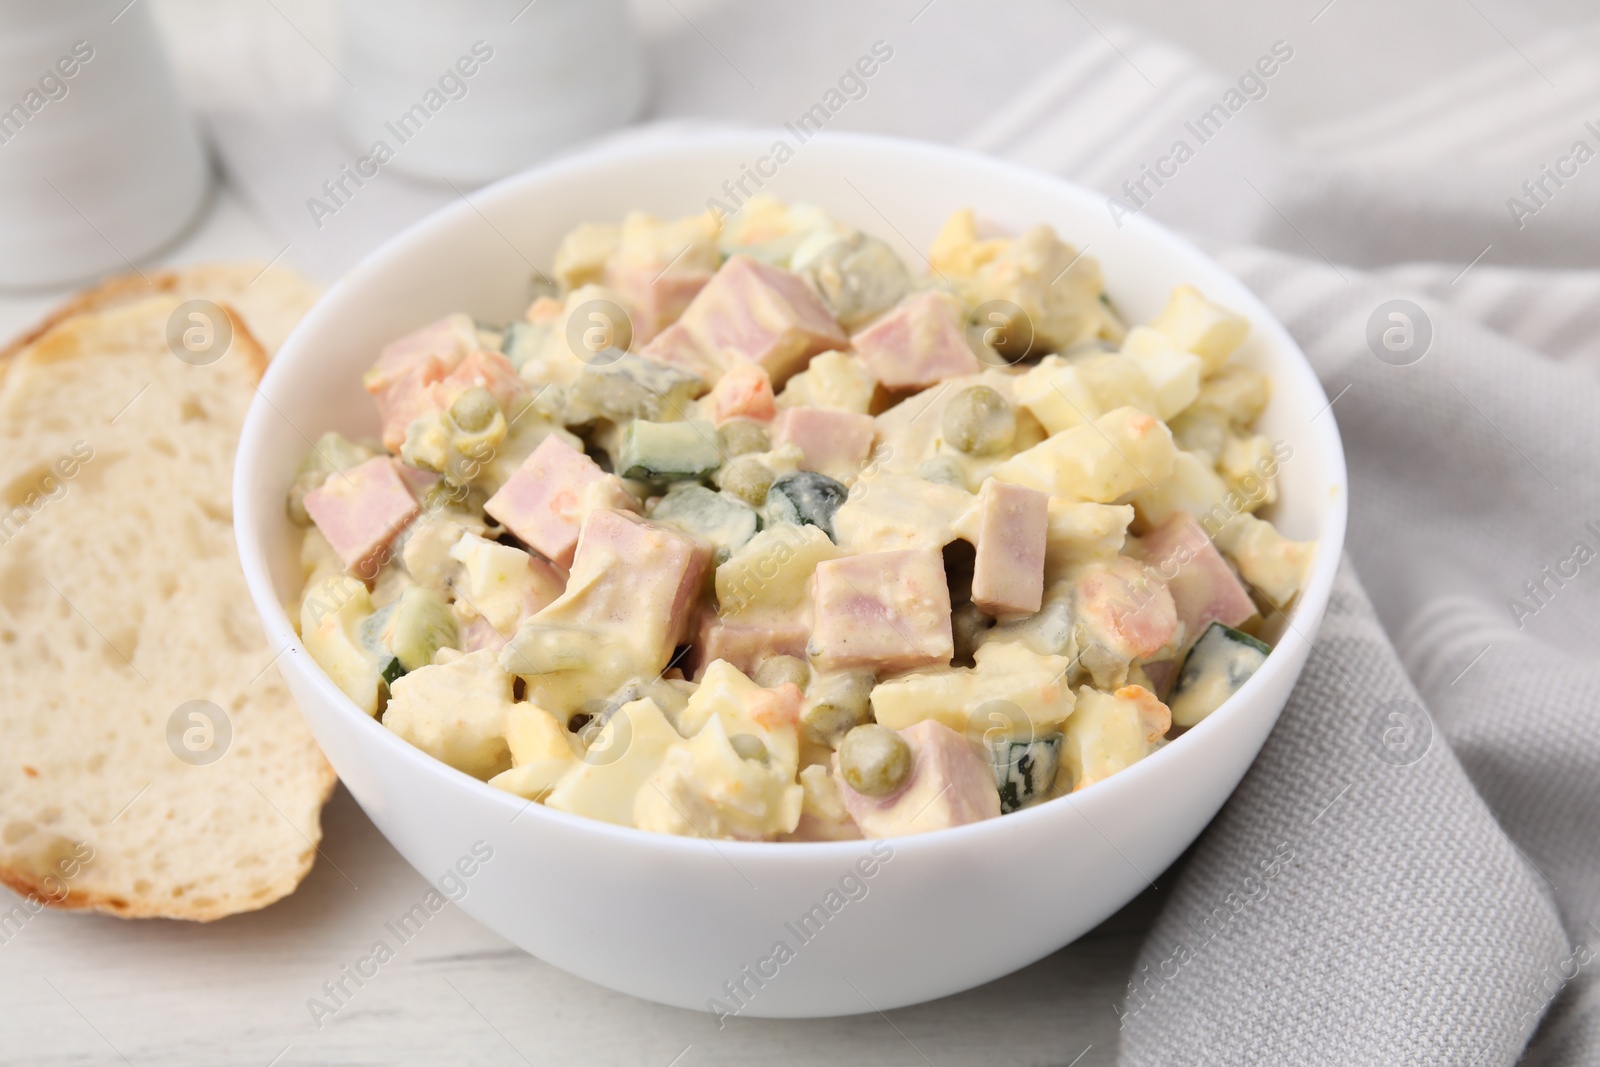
(57, 893)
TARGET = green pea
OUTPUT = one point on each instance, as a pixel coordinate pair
(835, 703)
(874, 760)
(979, 421)
(749, 746)
(777, 670)
(748, 479)
(740, 437)
(941, 469)
(474, 410)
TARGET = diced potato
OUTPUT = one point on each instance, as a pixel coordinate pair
(1274, 565)
(625, 751)
(456, 712)
(1250, 466)
(541, 752)
(1011, 692)
(1109, 732)
(1174, 374)
(888, 511)
(1192, 487)
(832, 380)
(773, 569)
(1078, 533)
(823, 816)
(1119, 453)
(1057, 395)
(502, 583)
(330, 625)
(1237, 392)
(706, 788)
(1197, 325)
(581, 256)
(743, 707)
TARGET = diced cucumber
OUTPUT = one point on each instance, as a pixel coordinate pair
(422, 625)
(404, 635)
(715, 517)
(522, 341)
(668, 451)
(629, 387)
(805, 498)
(1216, 668)
(1024, 769)
(335, 452)
(332, 452)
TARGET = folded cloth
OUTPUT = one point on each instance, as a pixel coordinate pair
(1411, 871)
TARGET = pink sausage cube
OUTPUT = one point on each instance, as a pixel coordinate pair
(950, 784)
(889, 611)
(1129, 608)
(744, 392)
(418, 481)
(540, 502)
(448, 341)
(677, 347)
(480, 634)
(1008, 576)
(488, 370)
(361, 511)
(400, 381)
(763, 314)
(745, 641)
(636, 575)
(919, 343)
(1204, 588)
(655, 297)
(832, 442)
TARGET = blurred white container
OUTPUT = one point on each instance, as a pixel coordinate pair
(477, 89)
(100, 164)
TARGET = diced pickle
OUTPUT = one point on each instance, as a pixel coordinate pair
(715, 517)
(805, 498)
(1216, 668)
(406, 633)
(629, 387)
(668, 451)
(747, 478)
(837, 703)
(1024, 769)
(522, 341)
(739, 437)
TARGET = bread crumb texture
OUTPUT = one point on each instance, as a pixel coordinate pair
(122, 601)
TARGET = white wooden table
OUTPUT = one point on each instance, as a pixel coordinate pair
(84, 989)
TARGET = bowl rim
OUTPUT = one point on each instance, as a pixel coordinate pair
(1308, 606)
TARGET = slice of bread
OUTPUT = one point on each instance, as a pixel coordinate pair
(121, 601)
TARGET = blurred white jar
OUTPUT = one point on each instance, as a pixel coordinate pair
(473, 90)
(100, 164)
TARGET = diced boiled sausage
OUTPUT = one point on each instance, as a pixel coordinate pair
(950, 784)
(361, 510)
(542, 501)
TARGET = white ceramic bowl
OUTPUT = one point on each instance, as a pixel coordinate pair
(677, 919)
